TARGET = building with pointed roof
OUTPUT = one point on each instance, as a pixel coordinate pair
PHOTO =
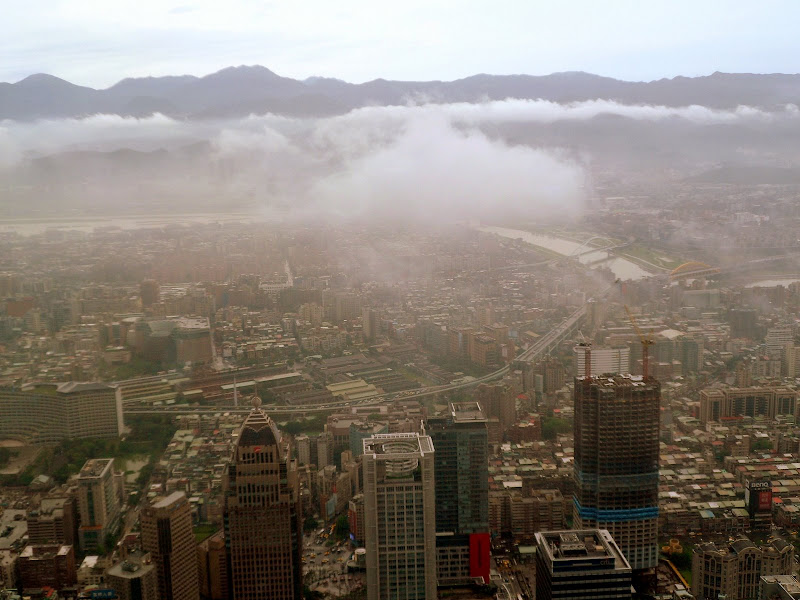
(263, 534)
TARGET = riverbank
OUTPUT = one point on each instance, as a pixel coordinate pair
(622, 268)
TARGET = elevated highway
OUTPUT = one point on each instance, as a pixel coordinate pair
(544, 344)
(540, 347)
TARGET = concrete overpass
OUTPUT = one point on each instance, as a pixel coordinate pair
(544, 344)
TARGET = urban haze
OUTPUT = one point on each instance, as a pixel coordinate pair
(457, 332)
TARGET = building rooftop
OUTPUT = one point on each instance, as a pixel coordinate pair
(168, 501)
(133, 567)
(95, 467)
(82, 386)
(786, 583)
(570, 546)
(258, 429)
(33, 551)
(397, 445)
(464, 412)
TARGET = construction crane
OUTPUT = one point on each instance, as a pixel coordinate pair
(646, 341)
(587, 357)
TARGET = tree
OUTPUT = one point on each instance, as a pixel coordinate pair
(342, 527)
(762, 445)
(553, 426)
(310, 524)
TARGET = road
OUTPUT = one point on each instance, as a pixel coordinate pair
(327, 573)
(542, 345)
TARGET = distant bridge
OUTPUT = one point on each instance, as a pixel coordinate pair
(692, 269)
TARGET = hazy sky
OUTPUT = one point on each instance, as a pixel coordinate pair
(98, 42)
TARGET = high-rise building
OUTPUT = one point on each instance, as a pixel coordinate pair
(361, 430)
(743, 322)
(53, 412)
(263, 534)
(213, 567)
(98, 503)
(691, 354)
(777, 338)
(581, 564)
(758, 500)
(324, 445)
(522, 514)
(616, 462)
(355, 514)
(135, 578)
(167, 535)
(149, 292)
(303, 444)
(461, 464)
(498, 400)
(552, 374)
(717, 404)
(370, 323)
(400, 516)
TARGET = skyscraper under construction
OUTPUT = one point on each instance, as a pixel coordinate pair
(263, 534)
(616, 462)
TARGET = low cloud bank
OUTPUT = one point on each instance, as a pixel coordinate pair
(426, 160)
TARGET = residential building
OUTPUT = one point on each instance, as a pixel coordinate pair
(98, 503)
(522, 514)
(498, 400)
(47, 413)
(49, 565)
(724, 403)
(735, 569)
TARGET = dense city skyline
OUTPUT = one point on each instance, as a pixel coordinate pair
(368, 301)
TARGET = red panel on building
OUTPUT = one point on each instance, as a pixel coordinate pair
(480, 546)
(765, 500)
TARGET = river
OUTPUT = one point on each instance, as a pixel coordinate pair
(622, 268)
(784, 281)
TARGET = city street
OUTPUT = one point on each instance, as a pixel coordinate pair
(324, 567)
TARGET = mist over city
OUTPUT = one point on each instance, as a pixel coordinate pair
(369, 301)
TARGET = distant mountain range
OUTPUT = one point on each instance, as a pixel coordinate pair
(238, 91)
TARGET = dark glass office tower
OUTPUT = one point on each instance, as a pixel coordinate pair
(461, 465)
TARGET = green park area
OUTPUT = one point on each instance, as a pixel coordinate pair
(149, 435)
(204, 530)
(650, 257)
